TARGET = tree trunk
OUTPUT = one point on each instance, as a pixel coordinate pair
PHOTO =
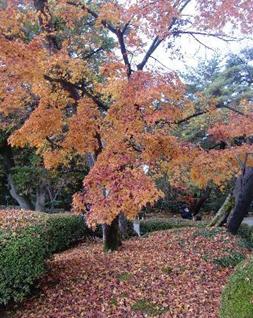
(22, 202)
(6, 152)
(243, 194)
(200, 202)
(123, 226)
(111, 236)
(221, 216)
(41, 195)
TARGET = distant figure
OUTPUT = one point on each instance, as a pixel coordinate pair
(185, 213)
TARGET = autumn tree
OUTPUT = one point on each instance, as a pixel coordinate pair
(122, 115)
(230, 82)
(28, 183)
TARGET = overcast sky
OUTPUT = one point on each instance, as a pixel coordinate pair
(192, 51)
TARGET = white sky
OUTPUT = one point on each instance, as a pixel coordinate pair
(191, 51)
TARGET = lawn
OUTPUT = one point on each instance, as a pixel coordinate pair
(175, 273)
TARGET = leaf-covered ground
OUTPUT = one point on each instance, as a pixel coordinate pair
(178, 273)
(13, 219)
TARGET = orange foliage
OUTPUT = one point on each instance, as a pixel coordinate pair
(121, 113)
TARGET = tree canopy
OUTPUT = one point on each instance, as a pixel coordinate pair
(121, 112)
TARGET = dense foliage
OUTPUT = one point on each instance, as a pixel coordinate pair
(27, 240)
(121, 114)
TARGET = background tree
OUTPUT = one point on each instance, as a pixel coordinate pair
(230, 83)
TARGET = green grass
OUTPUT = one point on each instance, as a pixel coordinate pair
(123, 277)
(237, 297)
(231, 260)
(147, 307)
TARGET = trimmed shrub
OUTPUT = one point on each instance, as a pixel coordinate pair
(152, 225)
(237, 296)
(246, 233)
(62, 231)
(22, 262)
(23, 252)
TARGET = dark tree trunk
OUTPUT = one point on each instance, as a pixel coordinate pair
(243, 194)
(200, 202)
(111, 236)
(123, 226)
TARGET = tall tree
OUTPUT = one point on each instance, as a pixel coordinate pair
(230, 84)
(121, 115)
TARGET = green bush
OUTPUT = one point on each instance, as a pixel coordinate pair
(62, 231)
(246, 233)
(238, 294)
(152, 225)
(23, 253)
(22, 262)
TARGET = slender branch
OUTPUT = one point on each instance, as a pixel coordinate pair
(105, 23)
(202, 43)
(184, 5)
(114, 30)
(232, 109)
(163, 65)
(156, 42)
(219, 36)
(206, 111)
(101, 105)
(126, 26)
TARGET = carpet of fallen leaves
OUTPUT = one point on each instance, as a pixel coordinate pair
(167, 274)
(13, 219)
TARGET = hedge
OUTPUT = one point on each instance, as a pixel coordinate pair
(246, 233)
(237, 297)
(151, 225)
(23, 253)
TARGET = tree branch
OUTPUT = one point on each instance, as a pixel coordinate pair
(123, 50)
(219, 36)
(74, 87)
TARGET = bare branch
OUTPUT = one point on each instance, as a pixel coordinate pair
(220, 36)
(156, 42)
(199, 113)
(202, 43)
